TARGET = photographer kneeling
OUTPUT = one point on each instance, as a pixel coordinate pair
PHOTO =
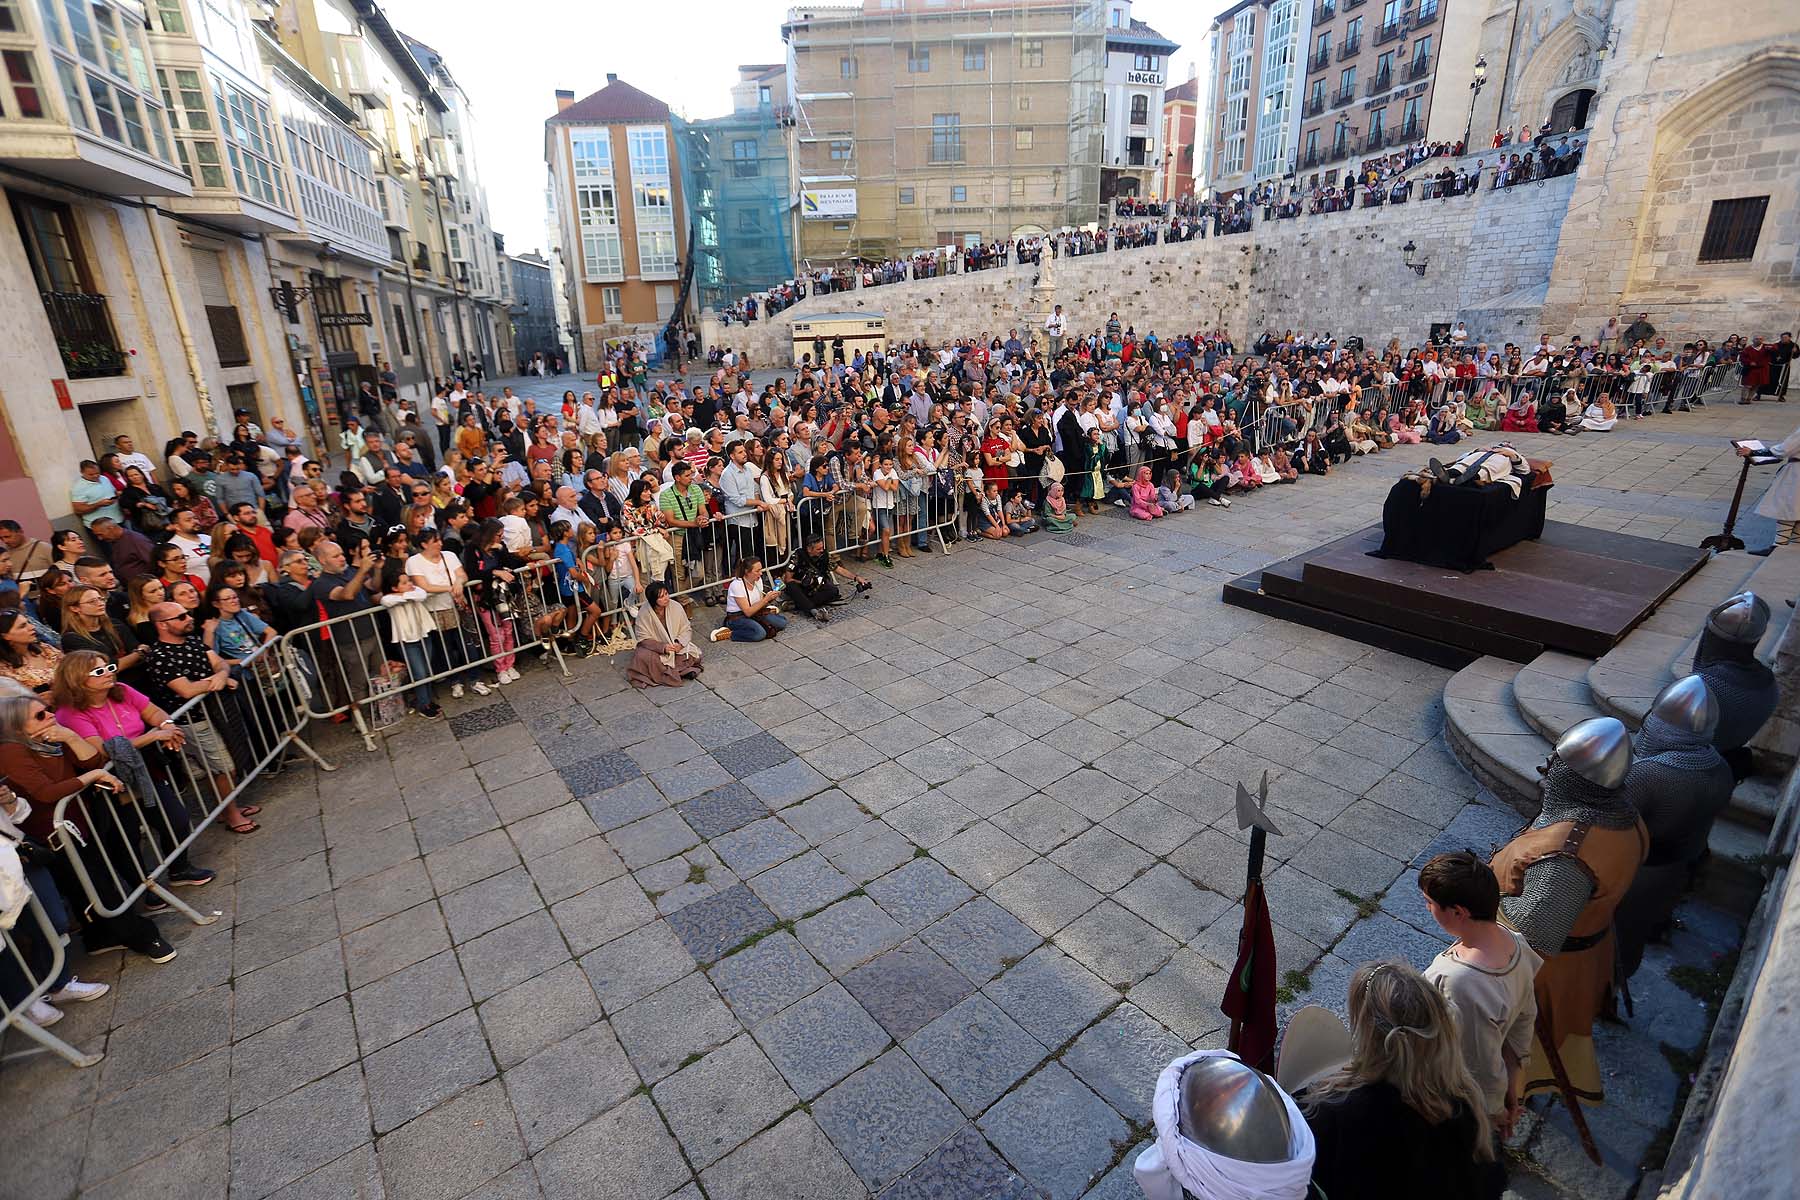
(809, 580)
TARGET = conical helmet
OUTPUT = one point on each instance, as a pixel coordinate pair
(1688, 704)
(1598, 750)
(1741, 618)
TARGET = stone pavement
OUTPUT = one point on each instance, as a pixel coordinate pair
(917, 903)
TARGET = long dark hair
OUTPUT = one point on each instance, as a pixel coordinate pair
(8, 654)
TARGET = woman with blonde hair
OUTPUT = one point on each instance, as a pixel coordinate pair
(1403, 1118)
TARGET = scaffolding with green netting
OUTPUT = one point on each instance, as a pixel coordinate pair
(735, 178)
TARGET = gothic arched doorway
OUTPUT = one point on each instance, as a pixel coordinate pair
(1571, 111)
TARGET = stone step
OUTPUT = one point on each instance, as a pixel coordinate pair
(1552, 692)
(1503, 729)
(1624, 681)
(1487, 732)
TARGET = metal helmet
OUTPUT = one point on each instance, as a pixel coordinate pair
(1235, 1111)
(1688, 704)
(1597, 749)
(1741, 618)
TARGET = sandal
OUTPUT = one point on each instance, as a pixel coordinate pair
(249, 810)
(245, 826)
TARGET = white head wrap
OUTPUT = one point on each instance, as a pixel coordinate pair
(1175, 1162)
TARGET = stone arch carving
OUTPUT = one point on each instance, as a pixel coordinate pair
(1777, 67)
(1564, 60)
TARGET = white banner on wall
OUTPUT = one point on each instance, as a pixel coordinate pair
(827, 204)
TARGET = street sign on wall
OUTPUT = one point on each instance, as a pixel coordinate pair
(827, 204)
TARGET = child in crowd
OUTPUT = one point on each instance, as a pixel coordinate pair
(411, 624)
(1170, 496)
(1019, 520)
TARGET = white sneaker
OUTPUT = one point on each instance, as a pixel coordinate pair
(79, 992)
(43, 1015)
(1215, 502)
(512, 675)
(456, 691)
(481, 689)
(1224, 502)
(502, 677)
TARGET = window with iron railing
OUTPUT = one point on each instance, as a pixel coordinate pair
(1349, 48)
(1388, 32)
(1733, 227)
(1323, 13)
(1428, 12)
(1418, 68)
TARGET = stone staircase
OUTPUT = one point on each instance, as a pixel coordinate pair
(1501, 719)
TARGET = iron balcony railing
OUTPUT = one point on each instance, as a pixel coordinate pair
(1390, 31)
(1349, 47)
(1382, 82)
(83, 327)
(1426, 15)
(1323, 13)
(1314, 105)
(1319, 61)
(1418, 68)
(1343, 95)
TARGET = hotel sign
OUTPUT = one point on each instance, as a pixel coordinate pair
(1147, 78)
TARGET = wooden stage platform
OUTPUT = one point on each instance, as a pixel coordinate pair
(1574, 589)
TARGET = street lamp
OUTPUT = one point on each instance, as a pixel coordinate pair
(1474, 95)
(1407, 251)
(288, 298)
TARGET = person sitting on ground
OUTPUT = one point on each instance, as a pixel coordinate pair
(1555, 413)
(666, 653)
(1169, 496)
(1144, 506)
(1521, 414)
(1019, 521)
(1311, 457)
(1486, 974)
(1403, 1118)
(751, 615)
(1442, 430)
(989, 516)
(1283, 465)
(1207, 480)
(1599, 416)
(1058, 516)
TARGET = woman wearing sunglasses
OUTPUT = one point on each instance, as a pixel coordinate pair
(118, 721)
(45, 762)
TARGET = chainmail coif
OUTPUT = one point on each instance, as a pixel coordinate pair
(1744, 687)
(1556, 890)
(1678, 784)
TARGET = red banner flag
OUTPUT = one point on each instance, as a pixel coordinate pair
(1250, 993)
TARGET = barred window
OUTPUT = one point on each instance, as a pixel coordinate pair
(1732, 229)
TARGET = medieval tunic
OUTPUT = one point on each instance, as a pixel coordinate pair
(1782, 501)
(1572, 984)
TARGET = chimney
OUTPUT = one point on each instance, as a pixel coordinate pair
(611, 78)
(564, 98)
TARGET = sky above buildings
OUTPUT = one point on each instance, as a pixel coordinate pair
(510, 58)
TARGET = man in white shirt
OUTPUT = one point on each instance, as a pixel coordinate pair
(568, 508)
(194, 545)
(743, 504)
(131, 456)
(1055, 326)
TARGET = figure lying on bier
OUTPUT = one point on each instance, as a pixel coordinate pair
(1499, 463)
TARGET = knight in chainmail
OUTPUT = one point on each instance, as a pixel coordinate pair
(1679, 785)
(1741, 683)
(1560, 880)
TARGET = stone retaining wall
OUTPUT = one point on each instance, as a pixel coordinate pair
(1488, 259)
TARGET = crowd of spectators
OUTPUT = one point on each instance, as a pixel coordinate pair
(446, 542)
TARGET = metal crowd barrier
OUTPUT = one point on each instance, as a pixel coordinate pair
(16, 955)
(346, 670)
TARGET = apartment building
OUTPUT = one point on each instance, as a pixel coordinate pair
(1235, 43)
(1178, 172)
(141, 175)
(621, 212)
(533, 308)
(920, 123)
(1371, 68)
(740, 202)
(1137, 66)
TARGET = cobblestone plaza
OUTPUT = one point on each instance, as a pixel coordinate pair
(915, 904)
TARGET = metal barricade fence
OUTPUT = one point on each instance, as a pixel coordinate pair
(32, 956)
(121, 845)
(346, 669)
